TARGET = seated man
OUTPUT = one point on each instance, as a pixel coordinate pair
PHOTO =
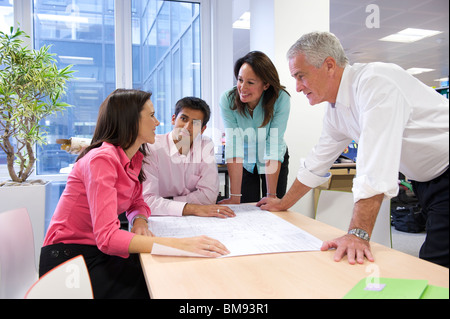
(181, 171)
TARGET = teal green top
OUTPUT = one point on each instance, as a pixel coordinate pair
(244, 138)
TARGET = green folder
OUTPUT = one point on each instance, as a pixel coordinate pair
(435, 292)
(394, 288)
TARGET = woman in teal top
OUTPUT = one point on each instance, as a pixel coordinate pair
(255, 114)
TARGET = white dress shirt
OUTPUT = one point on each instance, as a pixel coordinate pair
(399, 123)
(192, 178)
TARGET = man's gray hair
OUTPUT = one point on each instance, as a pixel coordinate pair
(317, 46)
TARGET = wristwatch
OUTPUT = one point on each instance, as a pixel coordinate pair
(360, 233)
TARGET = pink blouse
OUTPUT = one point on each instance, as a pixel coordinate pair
(102, 185)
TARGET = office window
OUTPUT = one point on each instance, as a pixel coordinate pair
(166, 53)
(6, 15)
(82, 34)
(165, 60)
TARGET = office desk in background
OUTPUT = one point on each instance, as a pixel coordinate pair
(223, 169)
(281, 275)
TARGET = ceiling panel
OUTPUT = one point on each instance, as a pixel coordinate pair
(362, 44)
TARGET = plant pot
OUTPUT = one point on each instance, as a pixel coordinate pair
(36, 199)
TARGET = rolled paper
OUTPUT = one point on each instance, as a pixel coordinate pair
(74, 145)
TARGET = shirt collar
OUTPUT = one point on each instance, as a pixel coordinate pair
(343, 96)
(136, 161)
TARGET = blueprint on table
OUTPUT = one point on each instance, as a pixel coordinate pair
(252, 231)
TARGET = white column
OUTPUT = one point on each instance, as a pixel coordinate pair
(262, 26)
(23, 12)
(123, 47)
(221, 61)
(275, 26)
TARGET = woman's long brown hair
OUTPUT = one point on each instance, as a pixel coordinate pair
(118, 121)
(266, 71)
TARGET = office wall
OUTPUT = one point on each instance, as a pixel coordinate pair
(221, 25)
(275, 26)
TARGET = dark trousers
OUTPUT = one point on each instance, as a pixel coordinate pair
(433, 198)
(112, 277)
(253, 183)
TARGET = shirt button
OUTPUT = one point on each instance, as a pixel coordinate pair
(67, 252)
(54, 253)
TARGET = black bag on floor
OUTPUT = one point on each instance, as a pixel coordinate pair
(408, 219)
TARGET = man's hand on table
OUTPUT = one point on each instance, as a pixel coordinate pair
(355, 249)
(272, 204)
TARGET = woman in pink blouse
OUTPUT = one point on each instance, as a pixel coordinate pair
(105, 182)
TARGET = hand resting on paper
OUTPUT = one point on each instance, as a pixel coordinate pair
(270, 204)
(203, 245)
(208, 211)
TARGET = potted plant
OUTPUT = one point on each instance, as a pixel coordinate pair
(31, 86)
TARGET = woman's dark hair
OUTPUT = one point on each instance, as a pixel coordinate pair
(266, 71)
(118, 121)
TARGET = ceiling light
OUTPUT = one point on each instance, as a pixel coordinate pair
(442, 79)
(410, 35)
(415, 71)
(243, 22)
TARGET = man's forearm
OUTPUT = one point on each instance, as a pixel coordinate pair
(365, 213)
(297, 191)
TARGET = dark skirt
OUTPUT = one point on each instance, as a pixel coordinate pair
(254, 184)
(112, 277)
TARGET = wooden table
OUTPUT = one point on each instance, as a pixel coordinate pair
(283, 275)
